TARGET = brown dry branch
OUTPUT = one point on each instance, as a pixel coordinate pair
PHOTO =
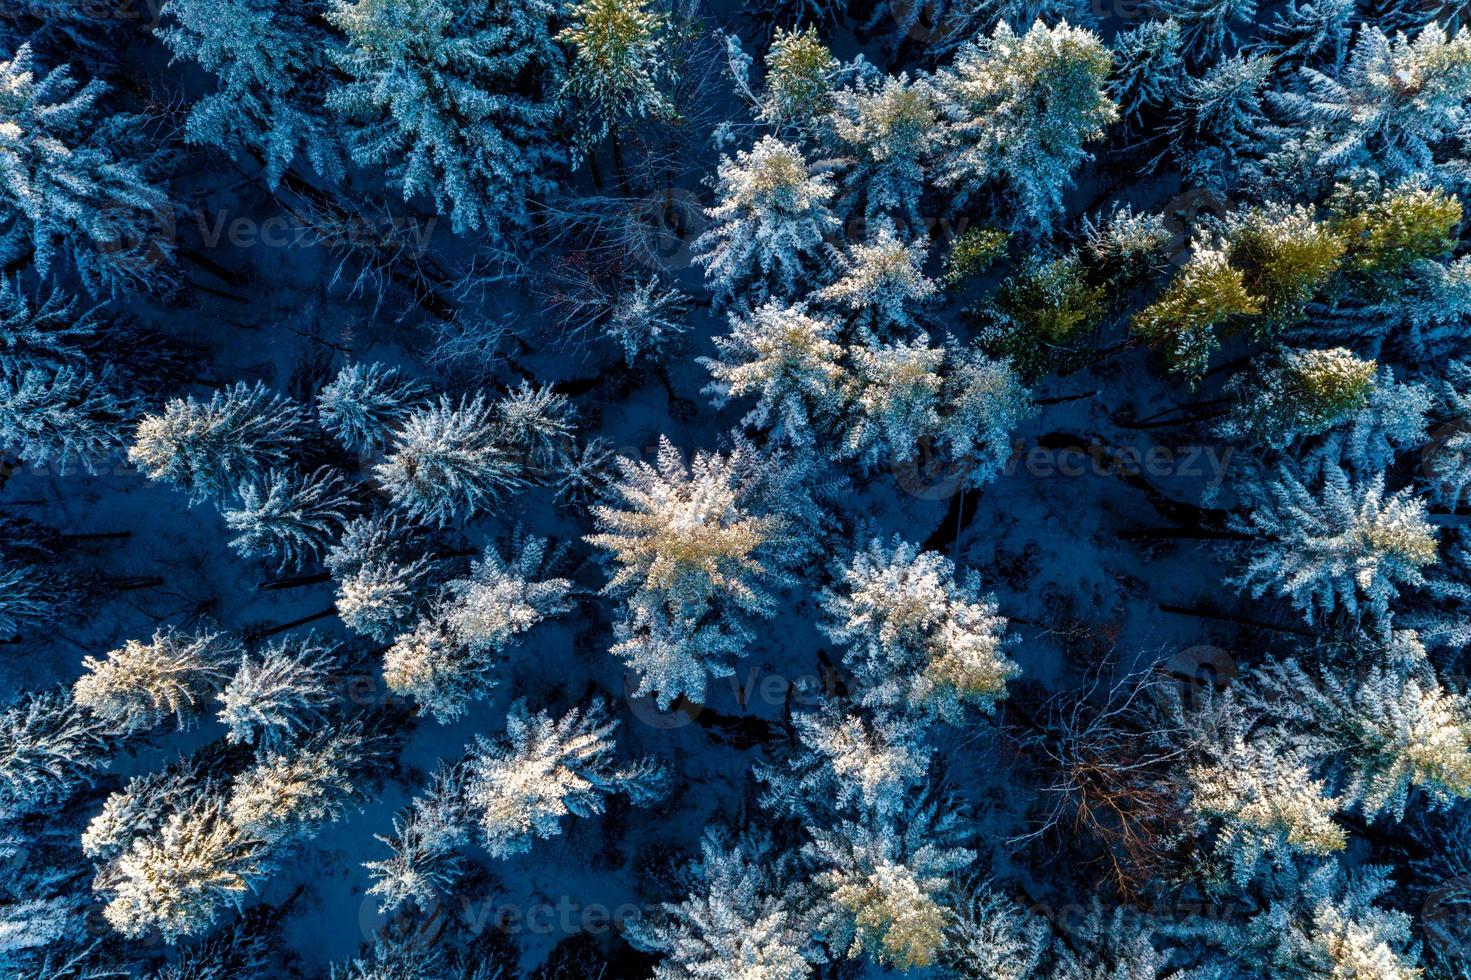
(1115, 756)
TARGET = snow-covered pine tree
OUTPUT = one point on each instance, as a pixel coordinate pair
(798, 488)
(37, 584)
(645, 317)
(456, 98)
(1045, 314)
(365, 403)
(938, 27)
(1396, 729)
(399, 952)
(787, 358)
(1348, 547)
(65, 191)
(881, 285)
(426, 842)
(884, 889)
(456, 655)
(1105, 944)
(281, 693)
(63, 417)
(290, 793)
(693, 558)
(895, 391)
(269, 60)
(536, 423)
(1390, 232)
(584, 471)
(1206, 296)
(984, 401)
(1148, 67)
(991, 938)
(48, 747)
(1219, 120)
(1448, 467)
(519, 785)
(250, 946)
(1399, 243)
(139, 684)
(26, 597)
(35, 933)
(207, 448)
(771, 216)
(1392, 421)
(47, 331)
(504, 596)
(1020, 110)
(801, 76)
(743, 916)
(450, 462)
(942, 24)
(1322, 923)
(973, 252)
(290, 518)
(1265, 799)
(1285, 255)
(917, 639)
(182, 878)
(1434, 298)
(619, 66)
(1293, 394)
(1053, 298)
(848, 763)
(1209, 27)
(1393, 105)
(144, 803)
(1312, 32)
(427, 664)
(675, 655)
(379, 575)
(886, 132)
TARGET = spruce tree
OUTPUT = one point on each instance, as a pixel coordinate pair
(456, 99)
(1019, 110)
(208, 448)
(68, 192)
(269, 60)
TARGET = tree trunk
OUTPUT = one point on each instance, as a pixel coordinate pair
(1227, 618)
(618, 162)
(299, 580)
(262, 634)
